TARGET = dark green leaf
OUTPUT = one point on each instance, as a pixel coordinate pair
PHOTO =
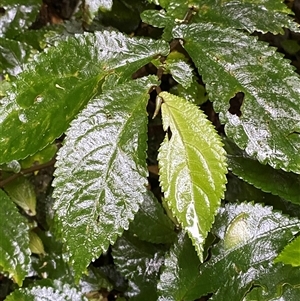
(59, 83)
(180, 270)
(278, 182)
(265, 16)
(14, 242)
(139, 262)
(232, 62)
(47, 290)
(103, 155)
(192, 167)
(251, 237)
(291, 253)
(151, 223)
(13, 55)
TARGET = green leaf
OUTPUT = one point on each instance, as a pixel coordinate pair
(139, 262)
(14, 243)
(93, 6)
(46, 290)
(21, 191)
(103, 155)
(60, 82)
(277, 182)
(151, 223)
(17, 17)
(264, 16)
(258, 71)
(290, 254)
(192, 167)
(251, 236)
(13, 55)
(180, 268)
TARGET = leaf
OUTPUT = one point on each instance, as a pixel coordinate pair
(258, 71)
(180, 268)
(18, 17)
(192, 167)
(35, 244)
(60, 82)
(264, 16)
(14, 243)
(21, 191)
(103, 155)
(13, 56)
(139, 262)
(93, 6)
(151, 223)
(251, 236)
(46, 290)
(277, 182)
(290, 254)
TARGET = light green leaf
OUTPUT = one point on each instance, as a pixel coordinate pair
(46, 290)
(192, 167)
(139, 262)
(290, 254)
(60, 82)
(264, 16)
(21, 191)
(14, 242)
(254, 68)
(151, 223)
(251, 236)
(277, 182)
(103, 155)
(180, 268)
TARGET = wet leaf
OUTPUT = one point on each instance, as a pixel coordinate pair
(93, 6)
(151, 223)
(60, 82)
(290, 254)
(46, 290)
(255, 69)
(139, 262)
(14, 243)
(277, 182)
(192, 167)
(251, 236)
(101, 171)
(181, 267)
(21, 191)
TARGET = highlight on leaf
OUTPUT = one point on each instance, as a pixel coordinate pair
(192, 167)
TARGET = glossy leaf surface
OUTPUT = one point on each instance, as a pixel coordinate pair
(59, 83)
(253, 68)
(181, 267)
(139, 262)
(192, 167)
(151, 223)
(14, 242)
(251, 236)
(291, 253)
(103, 155)
(278, 182)
(46, 290)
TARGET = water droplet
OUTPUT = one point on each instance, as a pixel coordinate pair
(23, 118)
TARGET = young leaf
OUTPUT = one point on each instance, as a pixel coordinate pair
(290, 254)
(46, 290)
(192, 167)
(151, 223)
(14, 242)
(251, 236)
(277, 182)
(59, 83)
(256, 70)
(139, 262)
(101, 171)
(181, 268)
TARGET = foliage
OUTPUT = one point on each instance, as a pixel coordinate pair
(100, 201)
